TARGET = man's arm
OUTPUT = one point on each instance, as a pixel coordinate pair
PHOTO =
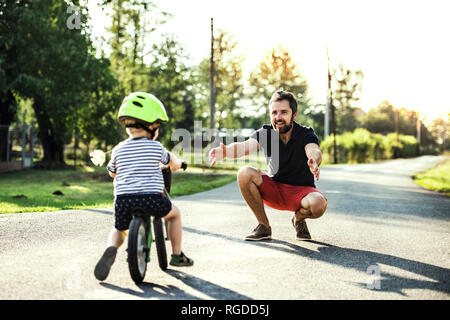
(314, 155)
(233, 150)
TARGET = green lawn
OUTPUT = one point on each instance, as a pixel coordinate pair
(437, 178)
(32, 190)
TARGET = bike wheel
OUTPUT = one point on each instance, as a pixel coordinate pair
(137, 249)
(160, 243)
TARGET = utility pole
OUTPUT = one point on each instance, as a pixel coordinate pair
(327, 106)
(331, 107)
(418, 129)
(212, 98)
(397, 144)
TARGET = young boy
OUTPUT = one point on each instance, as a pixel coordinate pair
(138, 180)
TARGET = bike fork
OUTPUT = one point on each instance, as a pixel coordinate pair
(149, 240)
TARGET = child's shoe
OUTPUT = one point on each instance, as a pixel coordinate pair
(104, 264)
(180, 260)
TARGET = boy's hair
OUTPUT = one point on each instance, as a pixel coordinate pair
(128, 121)
(281, 95)
(134, 125)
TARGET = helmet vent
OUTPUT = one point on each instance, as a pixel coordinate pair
(136, 103)
(141, 97)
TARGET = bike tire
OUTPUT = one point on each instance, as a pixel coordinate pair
(160, 243)
(137, 249)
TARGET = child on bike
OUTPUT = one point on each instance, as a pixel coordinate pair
(138, 180)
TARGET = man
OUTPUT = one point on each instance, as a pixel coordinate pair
(293, 156)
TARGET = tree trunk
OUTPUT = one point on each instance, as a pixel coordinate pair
(53, 146)
(8, 109)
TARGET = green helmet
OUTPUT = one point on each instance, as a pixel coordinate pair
(143, 107)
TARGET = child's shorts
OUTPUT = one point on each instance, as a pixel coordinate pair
(155, 204)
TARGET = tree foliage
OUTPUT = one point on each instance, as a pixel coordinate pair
(168, 78)
(277, 71)
(58, 70)
(75, 91)
(9, 16)
(383, 120)
(346, 90)
(131, 23)
(228, 80)
(440, 130)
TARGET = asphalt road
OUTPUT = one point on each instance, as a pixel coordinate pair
(382, 237)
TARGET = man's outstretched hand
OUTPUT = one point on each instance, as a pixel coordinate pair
(312, 164)
(217, 154)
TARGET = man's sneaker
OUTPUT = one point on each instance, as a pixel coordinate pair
(261, 232)
(302, 229)
(180, 260)
(104, 264)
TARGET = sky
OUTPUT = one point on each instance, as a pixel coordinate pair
(402, 47)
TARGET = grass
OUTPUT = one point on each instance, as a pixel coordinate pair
(88, 187)
(437, 178)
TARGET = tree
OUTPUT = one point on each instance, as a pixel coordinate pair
(314, 117)
(96, 119)
(169, 79)
(58, 71)
(440, 130)
(132, 22)
(346, 87)
(277, 71)
(382, 119)
(10, 11)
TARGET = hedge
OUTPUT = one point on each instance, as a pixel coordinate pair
(362, 146)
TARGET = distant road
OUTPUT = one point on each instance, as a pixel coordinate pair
(382, 237)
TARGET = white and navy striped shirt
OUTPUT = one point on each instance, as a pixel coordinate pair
(136, 163)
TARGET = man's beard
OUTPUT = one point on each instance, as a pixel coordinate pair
(286, 127)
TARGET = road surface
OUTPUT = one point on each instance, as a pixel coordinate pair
(382, 237)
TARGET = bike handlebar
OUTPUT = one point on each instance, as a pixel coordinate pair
(184, 166)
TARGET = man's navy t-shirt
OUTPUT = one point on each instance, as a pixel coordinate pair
(289, 164)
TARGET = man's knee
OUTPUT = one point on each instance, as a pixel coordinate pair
(248, 174)
(317, 204)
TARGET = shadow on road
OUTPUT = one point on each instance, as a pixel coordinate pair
(156, 291)
(206, 287)
(439, 278)
(153, 290)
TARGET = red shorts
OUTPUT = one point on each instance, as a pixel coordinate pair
(282, 196)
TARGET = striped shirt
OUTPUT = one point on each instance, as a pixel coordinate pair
(136, 163)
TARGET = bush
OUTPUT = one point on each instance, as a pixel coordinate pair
(362, 146)
(408, 146)
(378, 148)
